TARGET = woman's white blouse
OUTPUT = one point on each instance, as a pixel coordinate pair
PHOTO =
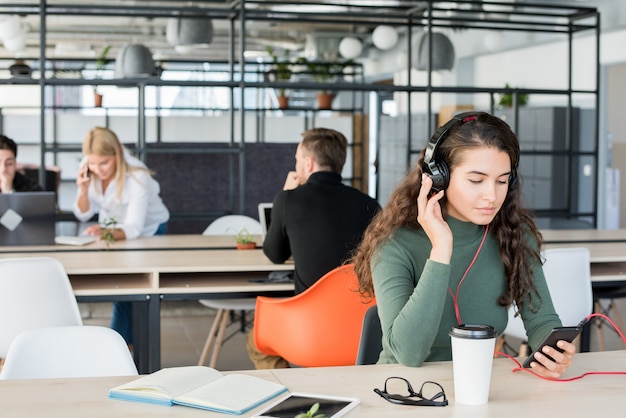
(140, 210)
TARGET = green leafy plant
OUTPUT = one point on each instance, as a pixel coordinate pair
(325, 72)
(101, 63)
(311, 413)
(108, 229)
(506, 99)
(282, 67)
(244, 237)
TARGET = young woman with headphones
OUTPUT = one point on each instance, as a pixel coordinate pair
(454, 245)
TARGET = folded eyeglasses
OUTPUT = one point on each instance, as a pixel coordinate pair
(398, 390)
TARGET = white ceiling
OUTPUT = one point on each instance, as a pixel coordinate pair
(80, 36)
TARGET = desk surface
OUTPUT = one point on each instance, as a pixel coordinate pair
(157, 242)
(512, 394)
(197, 241)
(555, 236)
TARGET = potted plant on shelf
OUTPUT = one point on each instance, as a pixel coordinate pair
(326, 72)
(100, 63)
(282, 70)
(245, 240)
(506, 99)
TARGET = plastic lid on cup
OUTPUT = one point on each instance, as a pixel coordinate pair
(477, 332)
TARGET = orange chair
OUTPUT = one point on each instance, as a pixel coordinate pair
(319, 327)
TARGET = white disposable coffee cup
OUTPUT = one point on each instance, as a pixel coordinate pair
(472, 357)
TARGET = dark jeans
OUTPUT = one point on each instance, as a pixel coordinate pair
(122, 316)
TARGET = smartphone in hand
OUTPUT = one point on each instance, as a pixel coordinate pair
(556, 334)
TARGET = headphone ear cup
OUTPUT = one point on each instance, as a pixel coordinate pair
(441, 176)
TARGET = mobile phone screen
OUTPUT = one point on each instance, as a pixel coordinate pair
(560, 333)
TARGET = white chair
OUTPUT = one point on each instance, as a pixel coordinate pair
(226, 225)
(568, 275)
(71, 351)
(35, 292)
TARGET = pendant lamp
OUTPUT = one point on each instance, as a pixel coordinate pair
(186, 33)
(134, 61)
(443, 53)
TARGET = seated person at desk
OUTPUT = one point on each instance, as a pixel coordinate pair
(454, 245)
(116, 185)
(315, 218)
(10, 179)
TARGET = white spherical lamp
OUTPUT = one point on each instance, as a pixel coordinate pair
(10, 26)
(350, 47)
(384, 37)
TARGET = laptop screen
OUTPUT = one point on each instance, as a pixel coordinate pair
(265, 216)
(27, 218)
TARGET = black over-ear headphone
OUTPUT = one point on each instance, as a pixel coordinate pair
(434, 165)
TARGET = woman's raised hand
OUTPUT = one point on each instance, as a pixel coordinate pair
(430, 217)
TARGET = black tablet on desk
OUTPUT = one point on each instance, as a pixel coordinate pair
(299, 403)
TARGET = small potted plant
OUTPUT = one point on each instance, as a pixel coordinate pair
(326, 72)
(506, 99)
(108, 230)
(245, 240)
(282, 69)
(100, 64)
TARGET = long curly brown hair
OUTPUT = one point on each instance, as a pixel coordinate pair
(512, 225)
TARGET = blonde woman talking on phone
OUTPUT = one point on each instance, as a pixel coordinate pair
(118, 186)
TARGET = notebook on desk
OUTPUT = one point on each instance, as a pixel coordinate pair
(265, 216)
(27, 218)
(75, 240)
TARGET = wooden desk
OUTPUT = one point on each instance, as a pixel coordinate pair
(157, 242)
(513, 395)
(559, 236)
(148, 276)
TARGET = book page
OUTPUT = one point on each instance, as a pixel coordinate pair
(235, 393)
(167, 383)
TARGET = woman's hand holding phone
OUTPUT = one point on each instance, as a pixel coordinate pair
(555, 354)
(430, 217)
(82, 178)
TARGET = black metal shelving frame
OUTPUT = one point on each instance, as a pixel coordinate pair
(409, 16)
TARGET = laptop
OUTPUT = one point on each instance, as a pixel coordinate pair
(265, 216)
(27, 218)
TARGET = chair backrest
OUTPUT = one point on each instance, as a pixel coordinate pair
(232, 224)
(371, 342)
(568, 275)
(72, 351)
(319, 327)
(35, 292)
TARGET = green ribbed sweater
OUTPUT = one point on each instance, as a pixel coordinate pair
(416, 309)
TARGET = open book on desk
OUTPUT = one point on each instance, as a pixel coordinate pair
(199, 387)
